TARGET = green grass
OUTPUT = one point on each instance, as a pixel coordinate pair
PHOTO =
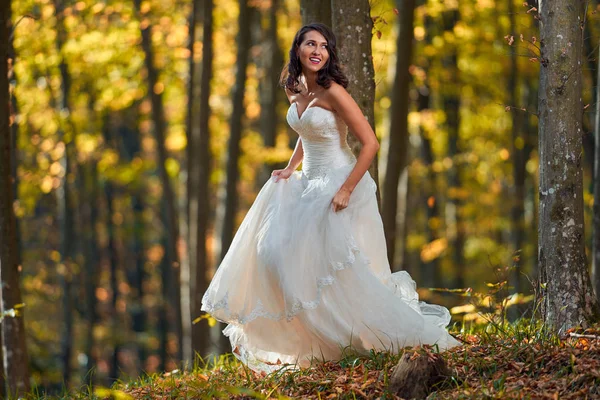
(498, 361)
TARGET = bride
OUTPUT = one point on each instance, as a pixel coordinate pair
(307, 274)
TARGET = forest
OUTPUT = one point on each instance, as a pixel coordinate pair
(135, 136)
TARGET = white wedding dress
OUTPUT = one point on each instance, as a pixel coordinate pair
(302, 281)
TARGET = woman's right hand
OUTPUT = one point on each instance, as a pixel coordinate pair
(282, 173)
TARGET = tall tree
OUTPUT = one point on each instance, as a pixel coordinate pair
(315, 11)
(518, 158)
(270, 93)
(169, 216)
(199, 162)
(136, 273)
(568, 298)
(451, 104)
(14, 351)
(353, 26)
(430, 276)
(398, 139)
(596, 207)
(236, 127)
(111, 250)
(64, 196)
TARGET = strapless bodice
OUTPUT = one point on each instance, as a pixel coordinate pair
(323, 135)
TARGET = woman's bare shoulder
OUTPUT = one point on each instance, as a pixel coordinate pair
(336, 93)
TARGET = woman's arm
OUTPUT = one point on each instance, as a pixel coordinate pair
(352, 115)
(297, 156)
(295, 159)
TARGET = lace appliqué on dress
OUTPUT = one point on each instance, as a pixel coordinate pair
(297, 305)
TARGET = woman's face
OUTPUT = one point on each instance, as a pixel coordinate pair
(313, 51)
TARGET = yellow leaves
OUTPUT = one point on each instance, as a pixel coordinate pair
(464, 309)
(176, 139)
(209, 318)
(433, 250)
(109, 159)
(184, 53)
(98, 7)
(145, 7)
(86, 144)
(172, 166)
(102, 393)
(159, 87)
(47, 184)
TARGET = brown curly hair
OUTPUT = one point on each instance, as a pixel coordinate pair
(331, 72)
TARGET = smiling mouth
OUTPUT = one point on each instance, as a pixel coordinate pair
(315, 60)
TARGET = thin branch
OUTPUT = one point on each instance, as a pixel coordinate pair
(577, 335)
(12, 33)
(506, 107)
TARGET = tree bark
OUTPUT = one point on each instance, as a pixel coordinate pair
(64, 199)
(430, 275)
(90, 273)
(236, 127)
(14, 351)
(398, 141)
(518, 160)
(270, 92)
(315, 11)
(199, 198)
(189, 202)
(113, 259)
(233, 148)
(596, 207)
(169, 217)
(568, 298)
(353, 26)
(451, 103)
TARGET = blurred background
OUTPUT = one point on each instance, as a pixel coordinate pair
(136, 145)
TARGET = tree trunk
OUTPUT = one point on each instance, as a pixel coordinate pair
(430, 275)
(138, 312)
(568, 298)
(233, 148)
(189, 202)
(596, 208)
(431, 269)
(113, 259)
(14, 130)
(518, 160)
(451, 104)
(199, 198)
(14, 351)
(270, 92)
(129, 148)
(398, 153)
(236, 127)
(65, 200)
(315, 11)
(353, 26)
(91, 270)
(170, 215)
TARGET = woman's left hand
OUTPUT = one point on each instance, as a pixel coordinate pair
(341, 199)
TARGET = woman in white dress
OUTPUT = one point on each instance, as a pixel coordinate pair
(307, 273)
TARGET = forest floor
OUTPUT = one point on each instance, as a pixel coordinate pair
(512, 363)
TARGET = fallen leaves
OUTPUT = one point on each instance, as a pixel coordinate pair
(489, 366)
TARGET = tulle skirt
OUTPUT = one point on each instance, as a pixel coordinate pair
(301, 281)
